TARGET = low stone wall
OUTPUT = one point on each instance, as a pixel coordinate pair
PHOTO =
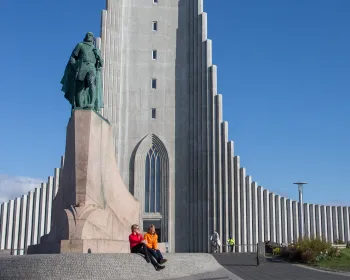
(110, 266)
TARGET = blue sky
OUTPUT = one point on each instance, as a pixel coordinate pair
(283, 70)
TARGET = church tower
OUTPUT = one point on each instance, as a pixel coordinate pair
(160, 97)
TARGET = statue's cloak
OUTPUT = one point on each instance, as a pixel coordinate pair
(68, 83)
(69, 88)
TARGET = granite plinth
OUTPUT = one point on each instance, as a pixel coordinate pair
(111, 266)
(93, 209)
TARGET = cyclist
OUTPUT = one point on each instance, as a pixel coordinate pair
(215, 241)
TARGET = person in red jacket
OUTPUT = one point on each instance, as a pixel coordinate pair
(138, 245)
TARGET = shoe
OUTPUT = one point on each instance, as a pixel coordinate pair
(160, 267)
(163, 261)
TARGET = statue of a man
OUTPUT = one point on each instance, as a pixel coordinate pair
(82, 80)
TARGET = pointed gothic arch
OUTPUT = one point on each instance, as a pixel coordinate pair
(150, 181)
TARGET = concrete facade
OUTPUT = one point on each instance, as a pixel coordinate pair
(160, 93)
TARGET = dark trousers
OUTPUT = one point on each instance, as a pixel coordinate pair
(231, 247)
(156, 254)
(141, 248)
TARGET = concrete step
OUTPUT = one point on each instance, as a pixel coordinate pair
(5, 252)
(111, 266)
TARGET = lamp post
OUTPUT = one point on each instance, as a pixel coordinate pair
(301, 208)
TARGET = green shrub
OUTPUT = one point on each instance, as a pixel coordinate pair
(270, 246)
(339, 241)
(284, 253)
(308, 250)
(317, 245)
(333, 252)
(276, 251)
(321, 257)
(294, 255)
(308, 256)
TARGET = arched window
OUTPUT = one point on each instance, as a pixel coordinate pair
(152, 181)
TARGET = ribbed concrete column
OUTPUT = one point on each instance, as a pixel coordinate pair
(49, 198)
(324, 226)
(255, 214)
(56, 181)
(340, 223)
(42, 211)
(226, 216)
(335, 223)
(267, 215)
(318, 221)
(231, 194)
(212, 145)
(349, 221)
(207, 131)
(278, 223)
(272, 217)
(23, 222)
(62, 161)
(243, 210)
(284, 223)
(36, 216)
(193, 64)
(203, 184)
(237, 201)
(306, 220)
(16, 221)
(3, 223)
(9, 224)
(313, 234)
(289, 221)
(329, 219)
(29, 219)
(218, 102)
(295, 209)
(248, 183)
(261, 216)
(346, 224)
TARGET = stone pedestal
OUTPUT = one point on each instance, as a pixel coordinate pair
(93, 209)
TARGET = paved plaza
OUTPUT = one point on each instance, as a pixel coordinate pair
(244, 266)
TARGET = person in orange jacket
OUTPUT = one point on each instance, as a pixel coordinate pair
(152, 243)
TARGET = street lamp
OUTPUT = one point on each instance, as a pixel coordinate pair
(301, 208)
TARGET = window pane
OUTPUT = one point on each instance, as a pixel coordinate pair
(147, 171)
(158, 185)
(154, 83)
(152, 189)
(154, 54)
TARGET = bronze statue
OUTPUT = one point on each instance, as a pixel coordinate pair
(82, 80)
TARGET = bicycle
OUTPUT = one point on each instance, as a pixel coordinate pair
(214, 246)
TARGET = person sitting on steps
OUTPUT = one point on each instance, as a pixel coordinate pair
(138, 245)
(152, 244)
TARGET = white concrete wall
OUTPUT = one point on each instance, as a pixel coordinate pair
(25, 219)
